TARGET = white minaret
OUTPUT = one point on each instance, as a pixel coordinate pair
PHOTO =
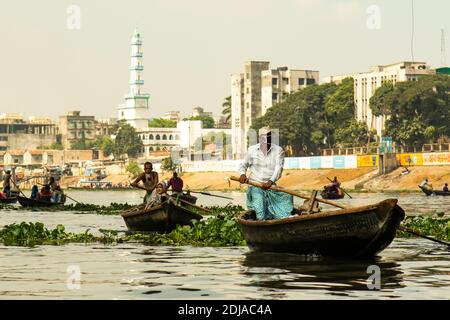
(135, 110)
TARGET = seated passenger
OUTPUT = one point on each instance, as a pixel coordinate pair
(34, 192)
(445, 188)
(45, 194)
(158, 195)
(57, 194)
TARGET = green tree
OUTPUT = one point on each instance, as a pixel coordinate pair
(79, 145)
(133, 168)
(168, 164)
(417, 112)
(207, 122)
(105, 143)
(354, 134)
(226, 108)
(162, 123)
(127, 142)
(53, 146)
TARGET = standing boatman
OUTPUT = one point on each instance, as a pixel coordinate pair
(265, 160)
(149, 178)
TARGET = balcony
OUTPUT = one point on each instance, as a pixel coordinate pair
(137, 55)
(137, 82)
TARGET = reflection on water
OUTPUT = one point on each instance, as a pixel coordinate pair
(410, 268)
(337, 276)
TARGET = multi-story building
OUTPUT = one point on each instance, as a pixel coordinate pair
(182, 138)
(245, 103)
(16, 133)
(135, 110)
(278, 83)
(255, 91)
(75, 128)
(172, 116)
(199, 112)
(366, 83)
(103, 127)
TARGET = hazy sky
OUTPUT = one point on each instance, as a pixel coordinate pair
(191, 47)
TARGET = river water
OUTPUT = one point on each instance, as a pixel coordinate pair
(409, 268)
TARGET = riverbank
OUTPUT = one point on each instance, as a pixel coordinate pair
(351, 179)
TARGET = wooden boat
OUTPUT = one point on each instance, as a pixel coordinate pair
(186, 196)
(8, 200)
(430, 192)
(326, 194)
(161, 218)
(27, 202)
(353, 232)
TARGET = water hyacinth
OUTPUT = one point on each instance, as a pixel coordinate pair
(433, 224)
(220, 229)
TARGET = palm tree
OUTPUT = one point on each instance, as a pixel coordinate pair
(226, 105)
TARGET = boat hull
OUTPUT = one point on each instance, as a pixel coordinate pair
(429, 192)
(162, 218)
(27, 202)
(331, 195)
(356, 232)
(8, 200)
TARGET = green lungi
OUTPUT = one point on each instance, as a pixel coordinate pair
(269, 204)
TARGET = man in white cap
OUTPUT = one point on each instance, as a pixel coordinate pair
(265, 160)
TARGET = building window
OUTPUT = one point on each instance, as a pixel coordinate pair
(151, 137)
(164, 137)
(301, 81)
(150, 149)
(170, 137)
(248, 90)
(3, 138)
(122, 113)
(247, 105)
(158, 137)
(274, 96)
(274, 81)
(247, 75)
(286, 80)
(310, 81)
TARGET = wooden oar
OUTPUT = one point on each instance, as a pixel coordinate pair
(423, 236)
(65, 195)
(73, 199)
(209, 194)
(276, 188)
(341, 189)
(18, 188)
(195, 206)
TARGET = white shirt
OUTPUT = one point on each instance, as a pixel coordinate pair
(263, 167)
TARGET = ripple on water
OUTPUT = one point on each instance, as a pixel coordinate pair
(410, 268)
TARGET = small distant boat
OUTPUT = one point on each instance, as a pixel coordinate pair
(8, 200)
(430, 192)
(354, 232)
(161, 218)
(327, 194)
(27, 202)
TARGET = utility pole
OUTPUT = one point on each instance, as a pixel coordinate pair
(443, 54)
